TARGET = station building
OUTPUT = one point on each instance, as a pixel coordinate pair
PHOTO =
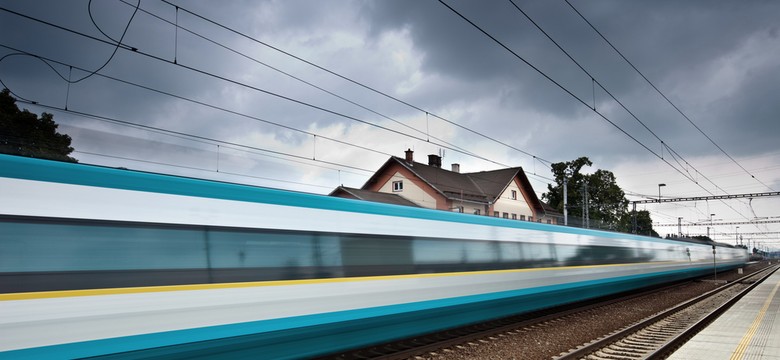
(504, 193)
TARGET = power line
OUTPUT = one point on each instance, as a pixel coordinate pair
(206, 73)
(663, 95)
(745, 233)
(713, 197)
(353, 81)
(723, 223)
(257, 89)
(299, 79)
(192, 136)
(672, 152)
(583, 102)
(199, 169)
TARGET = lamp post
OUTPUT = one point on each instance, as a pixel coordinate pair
(679, 226)
(659, 191)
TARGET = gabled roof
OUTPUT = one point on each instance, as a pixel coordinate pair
(483, 186)
(368, 195)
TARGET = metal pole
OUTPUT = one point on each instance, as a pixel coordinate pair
(587, 208)
(714, 264)
(565, 201)
(584, 191)
(633, 218)
(679, 226)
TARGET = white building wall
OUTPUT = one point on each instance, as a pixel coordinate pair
(410, 191)
(519, 206)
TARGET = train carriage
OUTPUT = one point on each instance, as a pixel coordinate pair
(98, 261)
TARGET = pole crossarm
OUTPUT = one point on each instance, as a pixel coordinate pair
(745, 234)
(724, 223)
(713, 197)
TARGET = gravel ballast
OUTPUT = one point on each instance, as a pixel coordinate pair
(552, 338)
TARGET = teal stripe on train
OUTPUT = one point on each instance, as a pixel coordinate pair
(91, 175)
(320, 334)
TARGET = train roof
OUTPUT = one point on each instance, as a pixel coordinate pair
(99, 176)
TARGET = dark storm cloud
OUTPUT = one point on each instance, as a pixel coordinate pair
(669, 41)
(716, 60)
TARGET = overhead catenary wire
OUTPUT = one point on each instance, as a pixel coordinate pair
(48, 61)
(287, 74)
(664, 95)
(580, 100)
(206, 140)
(264, 91)
(250, 87)
(127, 82)
(190, 136)
(146, 161)
(135, 50)
(372, 89)
(675, 155)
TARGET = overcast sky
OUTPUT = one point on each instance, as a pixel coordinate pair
(250, 78)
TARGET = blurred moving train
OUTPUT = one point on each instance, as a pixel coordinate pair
(99, 261)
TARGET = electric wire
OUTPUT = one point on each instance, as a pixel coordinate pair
(197, 168)
(674, 153)
(540, 72)
(190, 136)
(664, 96)
(48, 61)
(287, 74)
(254, 88)
(204, 18)
(270, 93)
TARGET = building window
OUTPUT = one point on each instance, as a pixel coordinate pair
(514, 194)
(506, 215)
(530, 218)
(549, 221)
(398, 186)
(522, 217)
(514, 216)
(496, 214)
(476, 211)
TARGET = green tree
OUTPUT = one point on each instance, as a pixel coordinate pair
(23, 133)
(571, 171)
(644, 224)
(607, 203)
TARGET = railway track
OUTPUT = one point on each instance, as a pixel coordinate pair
(479, 341)
(485, 332)
(658, 336)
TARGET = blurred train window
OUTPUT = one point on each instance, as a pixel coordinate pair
(365, 250)
(235, 249)
(432, 251)
(76, 245)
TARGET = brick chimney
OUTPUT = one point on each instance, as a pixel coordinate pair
(434, 160)
(409, 155)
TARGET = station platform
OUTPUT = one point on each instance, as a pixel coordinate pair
(749, 330)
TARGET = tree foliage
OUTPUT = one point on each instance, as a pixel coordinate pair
(24, 133)
(607, 203)
(644, 224)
